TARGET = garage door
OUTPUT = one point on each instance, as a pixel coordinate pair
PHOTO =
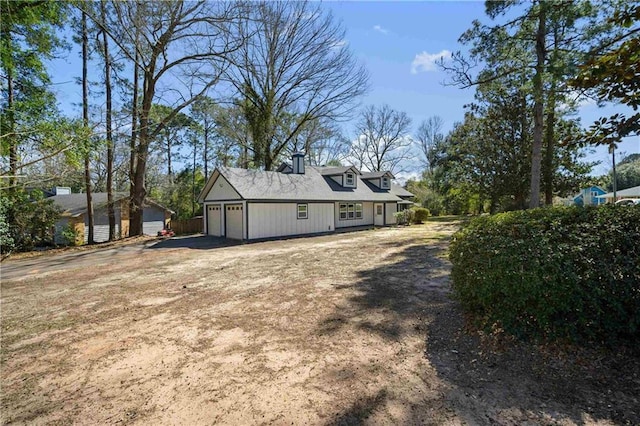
(153, 221)
(213, 220)
(233, 220)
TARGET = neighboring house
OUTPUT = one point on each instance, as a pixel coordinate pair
(74, 215)
(633, 192)
(589, 196)
(297, 199)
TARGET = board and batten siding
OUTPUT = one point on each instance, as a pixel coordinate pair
(267, 220)
(390, 209)
(367, 216)
(222, 190)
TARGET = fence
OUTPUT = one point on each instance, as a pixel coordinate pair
(187, 226)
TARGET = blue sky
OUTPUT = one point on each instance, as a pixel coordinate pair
(389, 36)
(397, 41)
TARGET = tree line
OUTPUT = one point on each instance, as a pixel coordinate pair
(204, 84)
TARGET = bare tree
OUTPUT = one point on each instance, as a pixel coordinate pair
(429, 136)
(85, 123)
(383, 140)
(297, 68)
(180, 49)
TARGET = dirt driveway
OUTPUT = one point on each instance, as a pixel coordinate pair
(342, 329)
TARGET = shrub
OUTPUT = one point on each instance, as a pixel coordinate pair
(404, 217)
(420, 215)
(559, 273)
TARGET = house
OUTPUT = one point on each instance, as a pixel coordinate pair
(74, 216)
(589, 196)
(633, 192)
(298, 199)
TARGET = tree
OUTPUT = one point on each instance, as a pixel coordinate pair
(27, 40)
(180, 49)
(382, 139)
(295, 67)
(108, 124)
(541, 41)
(85, 123)
(612, 69)
(429, 137)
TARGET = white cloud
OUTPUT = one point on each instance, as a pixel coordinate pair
(425, 61)
(381, 30)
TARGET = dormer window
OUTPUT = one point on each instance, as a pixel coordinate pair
(350, 179)
(385, 182)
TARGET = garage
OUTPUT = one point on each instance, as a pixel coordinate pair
(153, 220)
(214, 215)
(233, 221)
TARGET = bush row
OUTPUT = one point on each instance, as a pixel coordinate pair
(560, 273)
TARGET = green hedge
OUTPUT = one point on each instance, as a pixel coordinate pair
(560, 273)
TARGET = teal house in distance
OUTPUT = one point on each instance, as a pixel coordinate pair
(589, 196)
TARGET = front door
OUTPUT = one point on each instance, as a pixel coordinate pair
(378, 214)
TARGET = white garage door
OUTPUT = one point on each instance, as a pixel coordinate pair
(233, 220)
(153, 220)
(213, 220)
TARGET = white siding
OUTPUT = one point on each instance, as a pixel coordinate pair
(390, 209)
(222, 190)
(268, 220)
(367, 216)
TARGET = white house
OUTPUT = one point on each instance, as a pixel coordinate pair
(297, 200)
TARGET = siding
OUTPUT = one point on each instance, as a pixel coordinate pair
(390, 209)
(222, 190)
(367, 216)
(268, 220)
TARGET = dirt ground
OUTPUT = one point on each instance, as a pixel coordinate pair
(354, 328)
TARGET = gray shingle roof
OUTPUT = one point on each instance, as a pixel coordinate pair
(375, 175)
(332, 171)
(76, 204)
(400, 191)
(311, 186)
(634, 191)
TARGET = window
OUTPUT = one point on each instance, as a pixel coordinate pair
(343, 211)
(350, 211)
(385, 182)
(379, 209)
(349, 179)
(302, 211)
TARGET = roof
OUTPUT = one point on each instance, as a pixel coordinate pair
(375, 175)
(400, 191)
(313, 185)
(332, 171)
(629, 192)
(76, 204)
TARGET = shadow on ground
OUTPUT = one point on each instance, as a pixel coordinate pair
(486, 382)
(196, 242)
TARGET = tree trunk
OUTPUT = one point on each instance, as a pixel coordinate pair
(169, 169)
(549, 149)
(11, 131)
(142, 151)
(107, 83)
(205, 156)
(132, 143)
(85, 122)
(538, 109)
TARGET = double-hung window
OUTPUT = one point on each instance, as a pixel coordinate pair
(351, 212)
(303, 212)
(358, 210)
(349, 180)
(385, 182)
(343, 211)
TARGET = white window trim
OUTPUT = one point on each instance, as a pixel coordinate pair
(353, 179)
(350, 211)
(384, 182)
(306, 211)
